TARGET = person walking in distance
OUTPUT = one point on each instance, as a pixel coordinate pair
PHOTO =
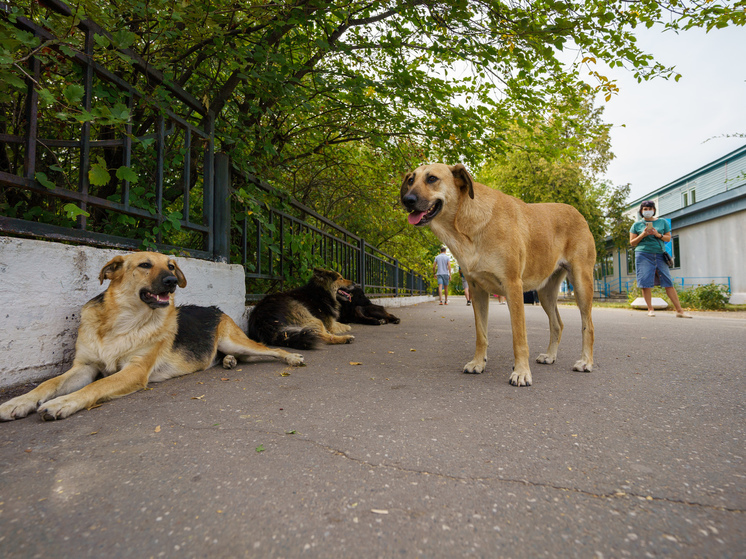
(442, 271)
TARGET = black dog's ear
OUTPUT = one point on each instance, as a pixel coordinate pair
(463, 179)
(113, 269)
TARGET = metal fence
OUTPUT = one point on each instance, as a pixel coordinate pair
(130, 170)
(277, 243)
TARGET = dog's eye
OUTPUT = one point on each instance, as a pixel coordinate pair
(411, 180)
(171, 266)
(432, 178)
(146, 265)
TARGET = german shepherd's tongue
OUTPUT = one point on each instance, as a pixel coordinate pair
(415, 217)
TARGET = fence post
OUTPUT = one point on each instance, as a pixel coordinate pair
(222, 208)
(361, 264)
(396, 278)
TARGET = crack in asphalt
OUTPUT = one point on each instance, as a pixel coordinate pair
(615, 495)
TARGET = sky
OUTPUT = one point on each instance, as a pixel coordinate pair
(663, 129)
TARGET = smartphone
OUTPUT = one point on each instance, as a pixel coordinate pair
(649, 225)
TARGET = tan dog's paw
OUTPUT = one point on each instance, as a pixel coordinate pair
(348, 339)
(229, 362)
(521, 379)
(546, 359)
(59, 408)
(339, 327)
(17, 408)
(475, 367)
(294, 359)
(583, 366)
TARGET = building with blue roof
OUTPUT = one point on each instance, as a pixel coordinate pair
(707, 211)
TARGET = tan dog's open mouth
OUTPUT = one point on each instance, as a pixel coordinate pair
(419, 218)
(155, 300)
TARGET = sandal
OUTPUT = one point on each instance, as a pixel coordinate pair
(683, 315)
(651, 313)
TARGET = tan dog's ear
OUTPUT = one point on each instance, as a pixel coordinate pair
(113, 269)
(179, 275)
(405, 182)
(463, 179)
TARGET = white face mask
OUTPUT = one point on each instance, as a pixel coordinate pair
(648, 213)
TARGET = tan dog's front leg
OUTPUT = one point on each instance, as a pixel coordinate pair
(131, 378)
(521, 375)
(480, 301)
(74, 379)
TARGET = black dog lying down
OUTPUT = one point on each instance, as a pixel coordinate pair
(360, 310)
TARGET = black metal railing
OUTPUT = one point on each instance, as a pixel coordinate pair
(278, 246)
(132, 169)
(135, 168)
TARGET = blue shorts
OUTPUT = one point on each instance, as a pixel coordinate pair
(443, 279)
(646, 263)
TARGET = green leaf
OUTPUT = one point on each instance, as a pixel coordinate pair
(42, 179)
(98, 174)
(74, 211)
(260, 448)
(73, 93)
(127, 174)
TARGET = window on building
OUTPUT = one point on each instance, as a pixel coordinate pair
(676, 253)
(689, 197)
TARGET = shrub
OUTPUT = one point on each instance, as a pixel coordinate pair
(707, 297)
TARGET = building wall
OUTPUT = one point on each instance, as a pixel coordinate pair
(716, 245)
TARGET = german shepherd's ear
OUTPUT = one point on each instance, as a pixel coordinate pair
(113, 269)
(179, 275)
(462, 179)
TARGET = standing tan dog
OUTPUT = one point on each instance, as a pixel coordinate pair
(133, 334)
(506, 246)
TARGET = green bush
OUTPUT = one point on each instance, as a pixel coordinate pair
(707, 297)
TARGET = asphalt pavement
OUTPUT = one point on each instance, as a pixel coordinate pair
(384, 448)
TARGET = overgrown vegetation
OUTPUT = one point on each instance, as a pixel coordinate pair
(708, 297)
(333, 101)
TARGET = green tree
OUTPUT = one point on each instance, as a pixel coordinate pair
(301, 89)
(561, 160)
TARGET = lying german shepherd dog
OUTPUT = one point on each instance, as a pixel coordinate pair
(506, 246)
(132, 334)
(356, 307)
(302, 317)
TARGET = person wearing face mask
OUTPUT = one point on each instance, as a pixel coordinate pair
(648, 237)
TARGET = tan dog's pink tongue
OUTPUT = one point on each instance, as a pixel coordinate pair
(415, 217)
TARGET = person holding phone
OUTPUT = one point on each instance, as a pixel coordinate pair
(648, 237)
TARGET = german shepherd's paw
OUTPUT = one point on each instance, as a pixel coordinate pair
(521, 379)
(17, 408)
(583, 366)
(59, 408)
(294, 359)
(546, 359)
(348, 339)
(229, 362)
(475, 367)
